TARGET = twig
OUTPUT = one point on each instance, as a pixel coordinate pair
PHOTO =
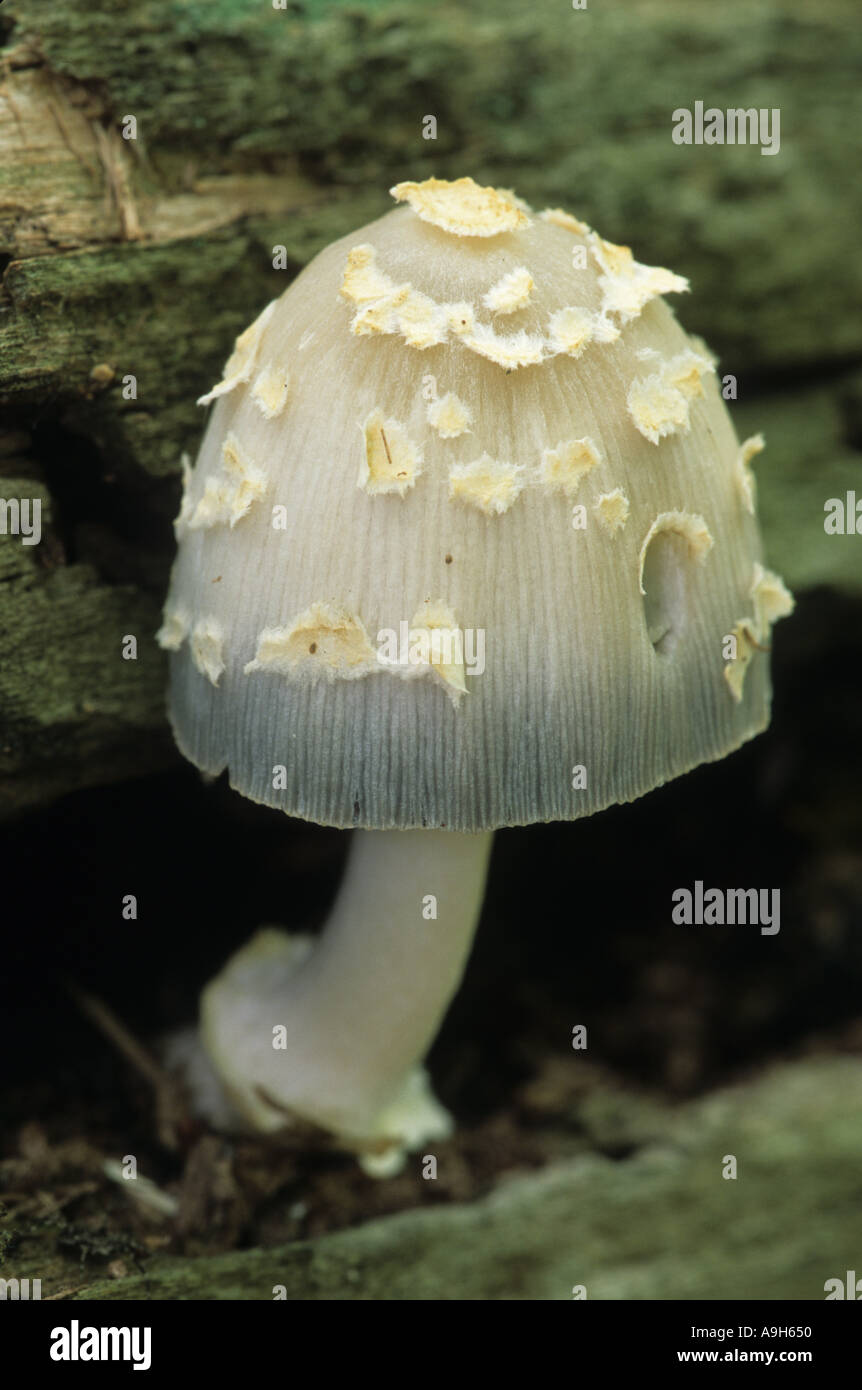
(108, 1023)
(170, 1100)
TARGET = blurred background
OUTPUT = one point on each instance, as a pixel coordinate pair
(143, 257)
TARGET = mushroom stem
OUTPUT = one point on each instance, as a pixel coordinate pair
(332, 1030)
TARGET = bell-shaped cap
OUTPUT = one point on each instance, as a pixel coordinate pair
(470, 540)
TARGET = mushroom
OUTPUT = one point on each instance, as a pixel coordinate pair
(470, 543)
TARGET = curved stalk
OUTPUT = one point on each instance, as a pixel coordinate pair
(332, 1029)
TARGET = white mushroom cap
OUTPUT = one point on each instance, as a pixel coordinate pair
(403, 441)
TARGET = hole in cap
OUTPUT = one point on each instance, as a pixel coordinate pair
(667, 573)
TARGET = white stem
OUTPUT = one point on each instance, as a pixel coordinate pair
(363, 1006)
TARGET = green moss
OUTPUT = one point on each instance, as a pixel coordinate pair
(807, 460)
(74, 712)
(165, 314)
